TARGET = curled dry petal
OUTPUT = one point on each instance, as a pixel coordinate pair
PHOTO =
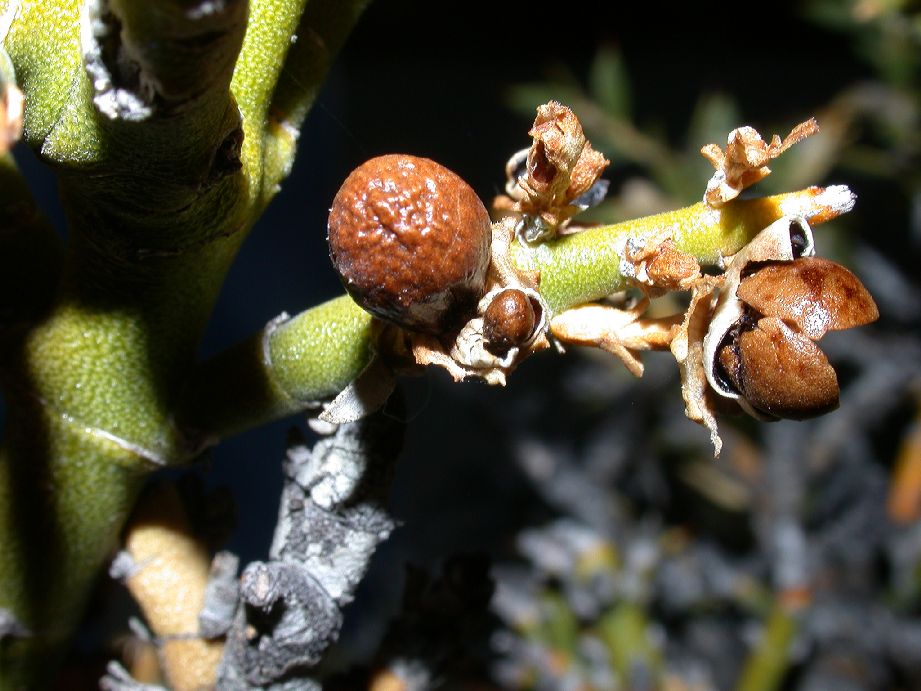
(687, 346)
(558, 144)
(780, 371)
(656, 264)
(561, 166)
(817, 295)
(622, 332)
(744, 162)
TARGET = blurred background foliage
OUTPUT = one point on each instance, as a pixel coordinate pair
(624, 556)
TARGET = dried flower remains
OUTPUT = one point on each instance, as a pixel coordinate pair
(744, 162)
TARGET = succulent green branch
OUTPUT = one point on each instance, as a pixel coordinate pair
(170, 125)
(585, 266)
(157, 131)
(287, 51)
(292, 364)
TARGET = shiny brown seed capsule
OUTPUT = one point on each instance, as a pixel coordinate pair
(780, 371)
(817, 295)
(411, 241)
(508, 321)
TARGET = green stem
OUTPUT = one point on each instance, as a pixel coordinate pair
(241, 388)
(585, 266)
(65, 491)
(290, 365)
(159, 197)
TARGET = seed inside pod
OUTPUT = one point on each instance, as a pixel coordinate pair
(779, 371)
(508, 321)
(768, 356)
(411, 242)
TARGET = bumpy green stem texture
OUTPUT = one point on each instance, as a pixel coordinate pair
(585, 266)
(170, 125)
(291, 365)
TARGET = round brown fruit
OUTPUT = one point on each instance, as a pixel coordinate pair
(411, 242)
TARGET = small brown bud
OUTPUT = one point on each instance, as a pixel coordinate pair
(671, 269)
(411, 241)
(509, 321)
(817, 295)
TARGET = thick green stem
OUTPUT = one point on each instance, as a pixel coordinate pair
(135, 106)
(65, 491)
(585, 266)
(243, 387)
(291, 365)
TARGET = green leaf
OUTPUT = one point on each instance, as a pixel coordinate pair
(609, 83)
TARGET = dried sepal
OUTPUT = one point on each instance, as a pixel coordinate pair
(744, 162)
(548, 183)
(657, 266)
(687, 347)
(621, 332)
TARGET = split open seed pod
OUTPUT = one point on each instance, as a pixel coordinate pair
(777, 300)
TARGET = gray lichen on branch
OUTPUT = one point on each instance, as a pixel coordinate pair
(331, 520)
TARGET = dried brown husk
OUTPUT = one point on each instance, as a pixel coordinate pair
(561, 166)
(744, 162)
(714, 310)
